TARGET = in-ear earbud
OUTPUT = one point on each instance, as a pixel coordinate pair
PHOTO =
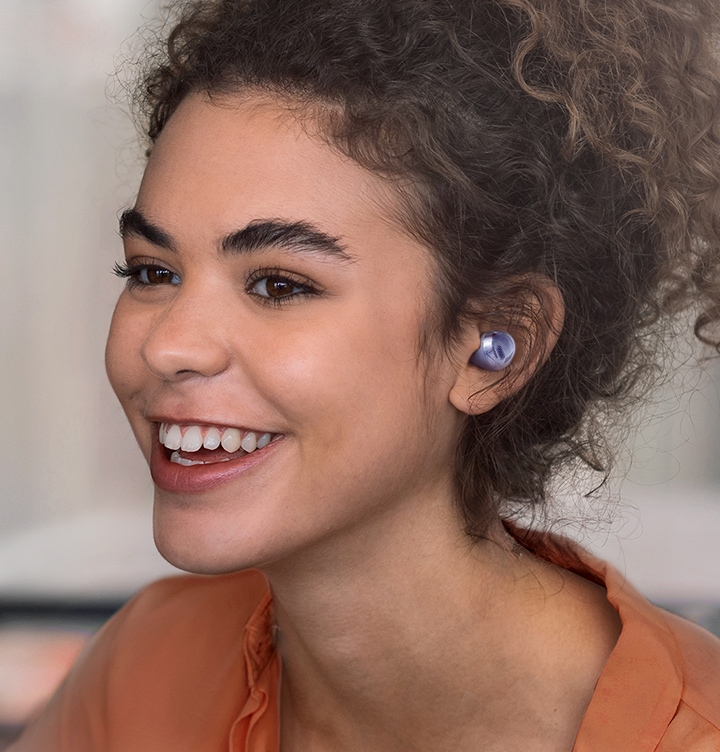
(496, 351)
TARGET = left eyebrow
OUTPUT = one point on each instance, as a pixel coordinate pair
(302, 237)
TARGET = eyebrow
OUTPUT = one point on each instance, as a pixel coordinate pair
(256, 236)
(134, 223)
(303, 237)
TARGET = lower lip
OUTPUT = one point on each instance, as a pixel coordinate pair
(181, 479)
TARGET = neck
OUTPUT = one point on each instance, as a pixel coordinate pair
(396, 619)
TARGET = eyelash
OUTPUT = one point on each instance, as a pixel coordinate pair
(307, 288)
(132, 274)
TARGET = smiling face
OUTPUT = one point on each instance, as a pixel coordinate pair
(274, 302)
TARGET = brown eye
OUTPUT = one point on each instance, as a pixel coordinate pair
(155, 275)
(274, 287)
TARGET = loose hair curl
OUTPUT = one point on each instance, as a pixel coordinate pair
(576, 140)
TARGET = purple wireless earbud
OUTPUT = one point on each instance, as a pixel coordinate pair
(496, 351)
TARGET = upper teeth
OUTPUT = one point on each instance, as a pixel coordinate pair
(193, 438)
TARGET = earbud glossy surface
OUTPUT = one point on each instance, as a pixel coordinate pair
(496, 351)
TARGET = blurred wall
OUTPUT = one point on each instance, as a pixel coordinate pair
(68, 162)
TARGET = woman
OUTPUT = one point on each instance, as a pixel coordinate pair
(387, 262)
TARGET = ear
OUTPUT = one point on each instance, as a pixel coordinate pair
(534, 317)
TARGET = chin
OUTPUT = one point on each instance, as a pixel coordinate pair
(198, 558)
(205, 539)
(190, 560)
(195, 545)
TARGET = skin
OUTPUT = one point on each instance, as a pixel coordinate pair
(383, 607)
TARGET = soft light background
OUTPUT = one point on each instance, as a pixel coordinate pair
(72, 483)
(75, 496)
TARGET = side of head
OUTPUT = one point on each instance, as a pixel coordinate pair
(553, 156)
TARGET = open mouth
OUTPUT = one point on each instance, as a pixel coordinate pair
(190, 445)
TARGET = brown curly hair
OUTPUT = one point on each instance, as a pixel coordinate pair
(573, 139)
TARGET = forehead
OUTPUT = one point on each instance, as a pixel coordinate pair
(233, 159)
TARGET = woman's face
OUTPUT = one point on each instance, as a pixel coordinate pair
(274, 300)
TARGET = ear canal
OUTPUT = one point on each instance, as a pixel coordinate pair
(496, 351)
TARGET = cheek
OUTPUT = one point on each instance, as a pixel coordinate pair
(353, 375)
(122, 352)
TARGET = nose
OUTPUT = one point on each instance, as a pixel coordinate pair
(185, 342)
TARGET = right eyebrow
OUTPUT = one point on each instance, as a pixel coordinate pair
(134, 223)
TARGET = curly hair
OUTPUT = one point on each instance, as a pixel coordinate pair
(576, 140)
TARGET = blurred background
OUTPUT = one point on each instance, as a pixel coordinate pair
(75, 496)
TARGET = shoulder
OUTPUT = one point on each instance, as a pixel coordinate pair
(699, 658)
(169, 667)
(671, 668)
(186, 625)
(681, 658)
(660, 688)
(188, 617)
(192, 601)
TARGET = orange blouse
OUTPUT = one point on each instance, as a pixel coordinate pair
(171, 673)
